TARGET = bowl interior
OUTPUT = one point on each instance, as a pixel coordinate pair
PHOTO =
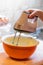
(21, 41)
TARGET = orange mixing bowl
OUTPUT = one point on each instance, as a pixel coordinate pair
(18, 52)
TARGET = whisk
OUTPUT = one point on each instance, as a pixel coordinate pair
(13, 41)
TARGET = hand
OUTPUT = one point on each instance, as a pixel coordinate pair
(36, 12)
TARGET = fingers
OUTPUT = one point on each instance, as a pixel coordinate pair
(33, 13)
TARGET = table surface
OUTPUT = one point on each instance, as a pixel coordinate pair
(35, 59)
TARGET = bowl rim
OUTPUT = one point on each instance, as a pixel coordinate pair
(6, 36)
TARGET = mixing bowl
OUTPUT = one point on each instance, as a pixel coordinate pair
(22, 49)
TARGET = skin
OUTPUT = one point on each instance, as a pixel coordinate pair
(36, 12)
